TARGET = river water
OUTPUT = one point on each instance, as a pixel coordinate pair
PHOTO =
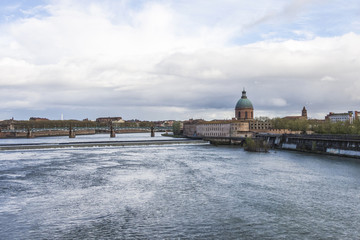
(190, 191)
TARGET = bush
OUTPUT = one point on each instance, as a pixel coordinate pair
(252, 145)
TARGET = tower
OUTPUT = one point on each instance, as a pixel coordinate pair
(304, 112)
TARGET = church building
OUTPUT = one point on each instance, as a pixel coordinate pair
(303, 115)
(242, 125)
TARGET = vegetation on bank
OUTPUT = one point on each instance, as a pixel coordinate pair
(177, 128)
(320, 127)
(291, 124)
(257, 145)
(53, 124)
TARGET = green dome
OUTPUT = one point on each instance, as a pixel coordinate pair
(244, 102)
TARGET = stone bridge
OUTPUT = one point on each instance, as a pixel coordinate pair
(73, 130)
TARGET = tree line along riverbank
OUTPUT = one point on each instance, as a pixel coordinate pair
(318, 126)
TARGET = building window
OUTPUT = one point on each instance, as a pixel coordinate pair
(239, 114)
(246, 115)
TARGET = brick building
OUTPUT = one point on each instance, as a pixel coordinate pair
(303, 115)
(38, 119)
(110, 120)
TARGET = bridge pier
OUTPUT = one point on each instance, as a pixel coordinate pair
(29, 134)
(112, 132)
(152, 132)
(71, 133)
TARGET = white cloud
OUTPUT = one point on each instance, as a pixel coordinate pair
(327, 79)
(278, 102)
(153, 60)
(305, 34)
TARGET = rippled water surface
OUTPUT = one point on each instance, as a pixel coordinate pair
(177, 191)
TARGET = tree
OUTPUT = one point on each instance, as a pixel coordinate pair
(256, 145)
(176, 128)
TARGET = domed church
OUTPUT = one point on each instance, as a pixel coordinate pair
(244, 109)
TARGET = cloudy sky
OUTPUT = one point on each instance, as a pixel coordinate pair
(177, 59)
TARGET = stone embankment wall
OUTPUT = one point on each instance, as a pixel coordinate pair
(343, 145)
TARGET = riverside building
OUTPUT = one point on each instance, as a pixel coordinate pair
(243, 125)
(340, 117)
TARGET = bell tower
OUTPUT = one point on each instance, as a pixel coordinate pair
(304, 112)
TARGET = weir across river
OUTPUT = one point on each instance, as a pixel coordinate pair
(99, 144)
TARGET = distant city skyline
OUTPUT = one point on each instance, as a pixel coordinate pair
(157, 60)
